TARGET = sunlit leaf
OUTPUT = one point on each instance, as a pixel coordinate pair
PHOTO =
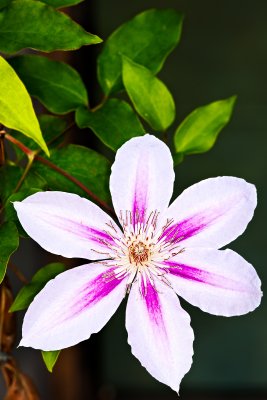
(148, 39)
(16, 111)
(199, 130)
(114, 123)
(89, 167)
(9, 240)
(58, 86)
(39, 280)
(151, 98)
(44, 28)
(50, 358)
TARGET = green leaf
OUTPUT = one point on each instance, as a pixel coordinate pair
(151, 98)
(148, 39)
(199, 130)
(10, 176)
(50, 358)
(61, 3)
(33, 24)
(9, 212)
(9, 240)
(89, 167)
(114, 123)
(4, 3)
(58, 86)
(16, 110)
(52, 128)
(39, 280)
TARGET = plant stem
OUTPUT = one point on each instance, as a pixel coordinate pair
(25, 172)
(18, 273)
(76, 181)
(32, 154)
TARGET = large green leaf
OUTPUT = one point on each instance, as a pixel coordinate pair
(10, 176)
(199, 131)
(16, 110)
(52, 128)
(9, 242)
(148, 38)
(50, 358)
(89, 167)
(39, 280)
(58, 86)
(61, 3)
(31, 23)
(150, 97)
(114, 123)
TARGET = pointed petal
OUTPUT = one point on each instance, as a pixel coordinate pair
(67, 224)
(159, 333)
(219, 282)
(211, 213)
(71, 307)
(142, 177)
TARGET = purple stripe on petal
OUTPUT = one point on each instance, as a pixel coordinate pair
(140, 191)
(191, 226)
(152, 301)
(198, 275)
(81, 230)
(95, 291)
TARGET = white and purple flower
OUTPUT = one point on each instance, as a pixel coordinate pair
(160, 251)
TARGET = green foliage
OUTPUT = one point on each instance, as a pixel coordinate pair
(44, 28)
(10, 176)
(114, 123)
(58, 86)
(89, 167)
(50, 358)
(199, 131)
(9, 239)
(39, 280)
(4, 3)
(52, 128)
(151, 98)
(61, 3)
(9, 212)
(148, 39)
(16, 111)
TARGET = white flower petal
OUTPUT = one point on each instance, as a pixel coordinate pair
(67, 224)
(159, 333)
(142, 177)
(71, 307)
(219, 282)
(211, 213)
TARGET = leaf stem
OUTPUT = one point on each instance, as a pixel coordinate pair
(25, 172)
(18, 273)
(32, 154)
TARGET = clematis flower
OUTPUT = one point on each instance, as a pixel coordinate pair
(158, 252)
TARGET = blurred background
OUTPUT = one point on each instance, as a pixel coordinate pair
(223, 51)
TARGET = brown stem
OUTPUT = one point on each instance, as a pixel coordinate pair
(30, 153)
(18, 273)
(20, 145)
(76, 181)
(2, 148)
